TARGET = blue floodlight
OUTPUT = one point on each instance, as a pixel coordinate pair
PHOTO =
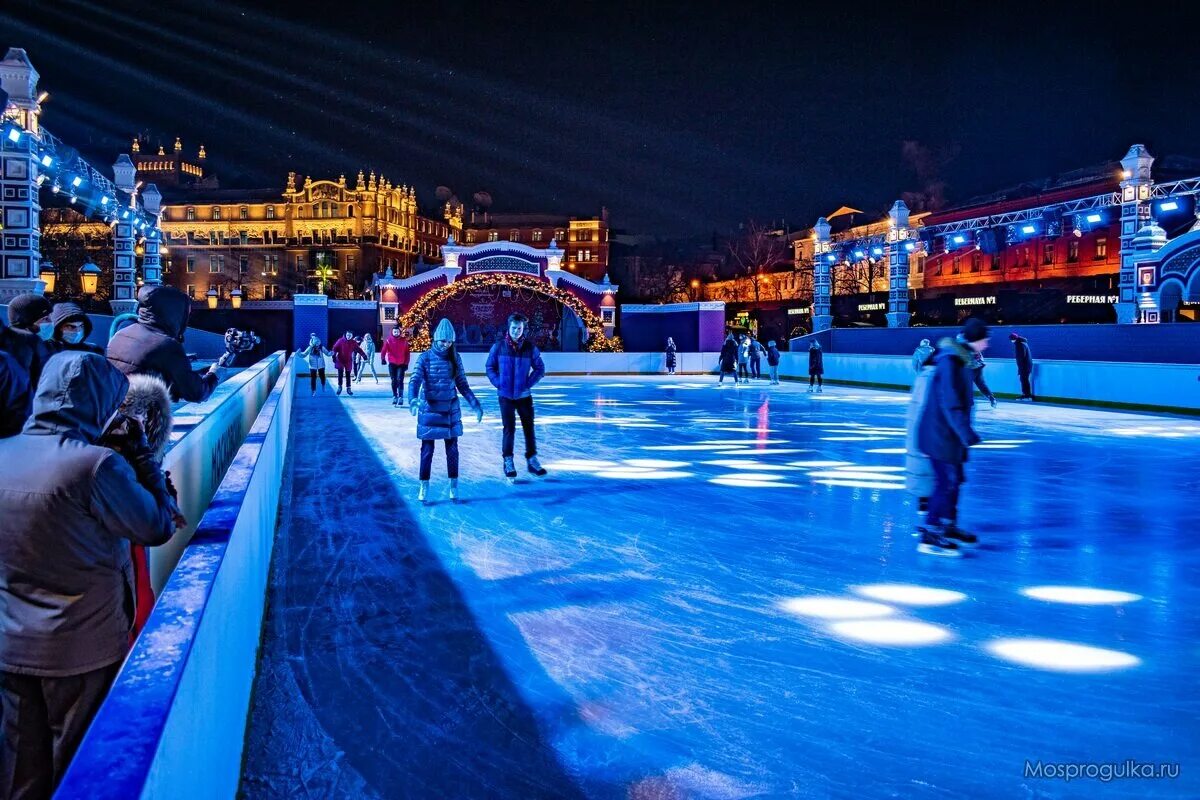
(124, 215)
(14, 135)
(959, 238)
(909, 246)
(859, 254)
(1028, 229)
(104, 200)
(76, 181)
(1093, 218)
(1169, 205)
(47, 161)
(832, 258)
(56, 188)
(876, 251)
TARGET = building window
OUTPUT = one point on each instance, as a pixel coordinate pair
(560, 236)
(243, 237)
(191, 213)
(1102, 248)
(1023, 257)
(493, 236)
(994, 262)
(300, 263)
(191, 263)
(976, 262)
(583, 236)
(214, 263)
(270, 212)
(585, 255)
(957, 267)
(244, 264)
(351, 261)
(243, 213)
(537, 236)
(514, 235)
(470, 236)
(1048, 254)
(920, 265)
(1073, 251)
(166, 213)
(216, 212)
(191, 291)
(212, 238)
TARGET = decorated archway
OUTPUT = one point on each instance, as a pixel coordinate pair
(420, 317)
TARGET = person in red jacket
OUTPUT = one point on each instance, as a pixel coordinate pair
(394, 355)
(344, 350)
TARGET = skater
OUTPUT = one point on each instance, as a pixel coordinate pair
(315, 354)
(394, 355)
(344, 352)
(1024, 364)
(977, 365)
(921, 355)
(756, 351)
(514, 366)
(918, 472)
(944, 433)
(816, 367)
(670, 355)
(368, 359)
(437, 380)
(743, 356)
(728, 359)
(773, 358)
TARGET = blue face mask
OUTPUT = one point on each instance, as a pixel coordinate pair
(46, 331)
(73, 337)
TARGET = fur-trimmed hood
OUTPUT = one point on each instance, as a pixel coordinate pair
(149, 402)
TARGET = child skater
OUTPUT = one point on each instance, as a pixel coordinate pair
(433, 392)
(514, 366)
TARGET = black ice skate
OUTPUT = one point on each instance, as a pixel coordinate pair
(535, 468)
(957, 534)
(510, 469)
(934, 544)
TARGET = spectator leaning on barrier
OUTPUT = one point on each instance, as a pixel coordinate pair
(921, 355)
(28, 328)
(71, 328)
(154, 345)
(69, 507)
(1024, 363)
(773, 361)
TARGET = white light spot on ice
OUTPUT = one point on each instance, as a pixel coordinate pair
(860, 484)
(891, 632)
(910, 594)
(1080, 595)
(1060, 656)
(835, 608)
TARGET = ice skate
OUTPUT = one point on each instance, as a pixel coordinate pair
(820, 390)
(510, 469)
(810, 390)
(395, 400)
(423, 492)
(339, 391)
(934, 544)
(957, 534)
(349, 391)
(454, 489)
(535, 467)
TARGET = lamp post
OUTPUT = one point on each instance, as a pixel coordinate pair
(89, 277)
(235, 298)
(211, 294)
(695, 289)
(48, 275)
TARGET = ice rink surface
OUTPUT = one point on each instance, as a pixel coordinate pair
(716, 594)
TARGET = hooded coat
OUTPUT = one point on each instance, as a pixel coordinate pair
(816, 360)
(69, 312)
(729, 355)
(773, 356)
(69, 508)
(921, 355)
(918, 471)
(14, 396)
(154, 345)
(945, 431)
(437, 380)
(1023, 356)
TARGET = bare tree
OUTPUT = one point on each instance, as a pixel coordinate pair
(757, 250)
(663, 284)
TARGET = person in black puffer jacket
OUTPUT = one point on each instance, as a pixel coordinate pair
(437, 380)
(71, 330)
(154, 345)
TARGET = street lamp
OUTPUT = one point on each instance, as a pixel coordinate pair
(211, 294)
(235, 297)
(49, 276)
(89, 277)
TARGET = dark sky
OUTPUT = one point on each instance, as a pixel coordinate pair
(685, 118)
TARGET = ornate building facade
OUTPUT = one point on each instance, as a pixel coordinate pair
(324, 236)
(585, 241)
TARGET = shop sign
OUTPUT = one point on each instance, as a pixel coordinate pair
(975, 301)
(1091, 299)
(872, 306)
(795, 311)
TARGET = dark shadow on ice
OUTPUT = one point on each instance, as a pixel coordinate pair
(374, 678)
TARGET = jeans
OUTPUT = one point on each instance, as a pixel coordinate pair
(396, 371)
(1026, 385)
(723, 374)
(943, 503)
(427, 458)
(815, 379)
(509, 409)
(774, 370)
(44, 720)
(755, 368)
(348, 373)
(312, 377)
(743, 370)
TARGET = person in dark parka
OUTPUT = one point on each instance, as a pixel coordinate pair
(71, 329)
(670, 352)
(25, 338)
(154, 345)
(514, 366)
(14, 396)
(944, 432)
(728, 359)
(69, 508)
(437, 380)
(816, 366)
(773, 359)
(1024, 363)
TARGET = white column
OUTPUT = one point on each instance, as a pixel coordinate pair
(898, 240)
(124, 294)
(1135, 214)
(152, 259)
(20, 234)
(822, 319)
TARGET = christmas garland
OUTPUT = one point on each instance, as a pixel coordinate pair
(418, 319)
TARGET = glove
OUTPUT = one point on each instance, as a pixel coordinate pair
(412, 407)
(992, 400)
(173, 504)
(478, 414)
(213, 367)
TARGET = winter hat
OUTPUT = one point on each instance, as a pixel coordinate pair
(26, 309)
(771, 343)
(925, 343)
(444, 331)
(1012, 337)
(974, 330)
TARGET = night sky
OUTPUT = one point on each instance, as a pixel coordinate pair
(683, 119)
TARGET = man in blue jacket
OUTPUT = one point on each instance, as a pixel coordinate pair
(514, 366)
(944, 433)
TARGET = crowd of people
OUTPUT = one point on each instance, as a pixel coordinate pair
(82, 495)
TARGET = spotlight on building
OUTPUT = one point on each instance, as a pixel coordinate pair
(76, 182)
(1168, 205)
(56, 188)
(14, 134)
(958, 238)
(859, 255)
(1093, 219)
(1028, 230)
(909, 247)
(46, 161)
(876, 251)
(104, 200)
